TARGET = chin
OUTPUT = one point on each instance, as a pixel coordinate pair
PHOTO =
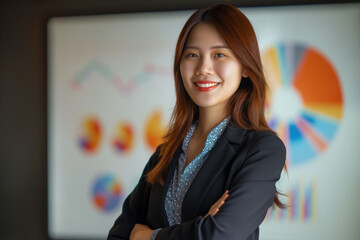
(207, 104)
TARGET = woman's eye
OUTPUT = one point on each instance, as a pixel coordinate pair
(192, 55)
(219, 55)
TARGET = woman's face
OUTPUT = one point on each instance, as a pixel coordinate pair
(209, 69)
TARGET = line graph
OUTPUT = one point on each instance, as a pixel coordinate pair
(107, 74)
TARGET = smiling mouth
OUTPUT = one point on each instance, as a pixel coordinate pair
(205, 86)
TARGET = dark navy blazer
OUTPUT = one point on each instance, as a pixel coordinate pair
(246, 162)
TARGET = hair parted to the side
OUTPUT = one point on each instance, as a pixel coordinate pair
(246, 106)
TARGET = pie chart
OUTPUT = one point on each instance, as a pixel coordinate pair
(154, 129)
(107, 192)
(90, 136)
(123, 140)
(305, 103)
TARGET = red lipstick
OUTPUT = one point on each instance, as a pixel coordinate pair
(205, 86)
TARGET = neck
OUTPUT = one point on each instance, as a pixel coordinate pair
(209, 118)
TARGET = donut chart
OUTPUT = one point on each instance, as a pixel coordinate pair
(305, 104)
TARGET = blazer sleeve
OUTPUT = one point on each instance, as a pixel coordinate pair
(134, 207)
(251, 193)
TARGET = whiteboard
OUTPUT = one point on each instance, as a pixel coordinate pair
(111, 94)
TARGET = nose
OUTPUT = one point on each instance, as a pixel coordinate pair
(205, 66)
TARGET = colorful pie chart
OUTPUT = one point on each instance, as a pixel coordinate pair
(123, 140)
(305, 104)
(90, 136)
(107, 192)
(154, 130)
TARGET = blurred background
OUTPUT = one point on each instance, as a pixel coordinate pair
(79, 119)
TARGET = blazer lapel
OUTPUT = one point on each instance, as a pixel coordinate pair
(223, 151)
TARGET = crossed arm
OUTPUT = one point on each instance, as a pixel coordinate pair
(143, 232)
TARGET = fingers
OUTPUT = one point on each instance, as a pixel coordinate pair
(212, 211)
(224, 196)
(217, 205)
(221, 200)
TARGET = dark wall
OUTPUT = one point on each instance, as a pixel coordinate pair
(23, 100)
(22, 123)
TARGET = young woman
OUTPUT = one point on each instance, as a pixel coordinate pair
(214, 176)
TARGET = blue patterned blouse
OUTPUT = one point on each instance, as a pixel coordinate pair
(184, 175)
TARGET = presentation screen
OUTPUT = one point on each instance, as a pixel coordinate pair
(111, 94)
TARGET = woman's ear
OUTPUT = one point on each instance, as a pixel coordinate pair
(245, 73)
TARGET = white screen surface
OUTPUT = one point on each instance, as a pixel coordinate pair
(111, 91)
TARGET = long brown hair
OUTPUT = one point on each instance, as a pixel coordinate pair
(246, 106)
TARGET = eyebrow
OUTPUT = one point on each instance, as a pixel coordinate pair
(213, 47)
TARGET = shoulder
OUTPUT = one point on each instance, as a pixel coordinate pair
(261, 154)
(240, 136)
(259, 143)
(264, 139)
(267, 152)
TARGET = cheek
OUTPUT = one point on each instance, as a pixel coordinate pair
(186, 70)
(230, 71)
(184, 73)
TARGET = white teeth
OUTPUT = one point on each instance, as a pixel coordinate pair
(206, 85)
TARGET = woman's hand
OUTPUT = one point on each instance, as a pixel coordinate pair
(216, 206)
(140, 232)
